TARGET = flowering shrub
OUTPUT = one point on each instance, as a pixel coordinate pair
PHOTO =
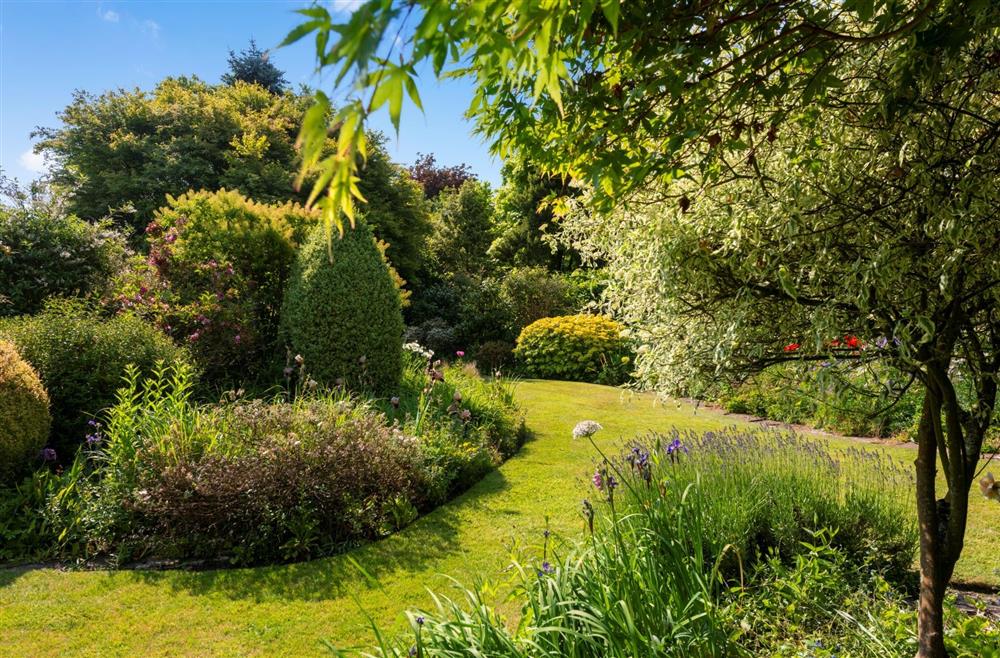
(24, 414)
(214, 278)
(575, 347)
(44, 253)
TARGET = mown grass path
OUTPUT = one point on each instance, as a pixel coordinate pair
(287, 610)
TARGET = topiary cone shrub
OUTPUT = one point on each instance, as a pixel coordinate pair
(344, 315)
(587, 348)
(24, 414)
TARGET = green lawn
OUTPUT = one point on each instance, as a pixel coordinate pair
(287, 610)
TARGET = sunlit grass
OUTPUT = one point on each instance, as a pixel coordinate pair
(288, 610)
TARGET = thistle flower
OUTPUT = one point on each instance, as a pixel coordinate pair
(586, 428)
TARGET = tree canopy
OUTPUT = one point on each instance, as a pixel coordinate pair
(123, 152)
(253, 65)
(435, 178)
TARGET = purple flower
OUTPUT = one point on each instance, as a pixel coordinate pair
(881, 342)
(546, 568)
(420, 620)
(588, 513)
(237, 339)
(598, 479)
(676, 446)
(48, 454)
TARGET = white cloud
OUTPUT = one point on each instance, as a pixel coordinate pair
(345, 6)
(150, 27)
(109, 16)
(34, 162)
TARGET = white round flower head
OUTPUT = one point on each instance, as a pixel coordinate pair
(586, 428)
(418, 349)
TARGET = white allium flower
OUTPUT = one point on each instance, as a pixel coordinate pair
(418, 349)
(586, 428)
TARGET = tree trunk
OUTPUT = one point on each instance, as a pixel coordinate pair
(930, 615)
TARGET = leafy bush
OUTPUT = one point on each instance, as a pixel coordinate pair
(860, 402)
(24, 414)
(125, 150)
(217, 268)
(45, 253)
(494, 355)
(575, 347)
(343, 315)
(459, 312)
(81, 358)
(533, 293)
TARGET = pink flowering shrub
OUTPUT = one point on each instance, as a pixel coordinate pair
(215, 275)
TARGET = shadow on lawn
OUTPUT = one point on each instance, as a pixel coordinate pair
(413, 549)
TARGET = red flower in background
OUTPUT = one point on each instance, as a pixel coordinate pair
(852, 342)
(792, 347)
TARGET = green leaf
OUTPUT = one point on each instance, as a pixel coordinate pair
(300, 31)
(611, 9)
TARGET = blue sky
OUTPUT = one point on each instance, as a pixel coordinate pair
(50, 48)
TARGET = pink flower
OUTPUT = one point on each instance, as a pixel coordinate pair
(237, 339)
(460, 354)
